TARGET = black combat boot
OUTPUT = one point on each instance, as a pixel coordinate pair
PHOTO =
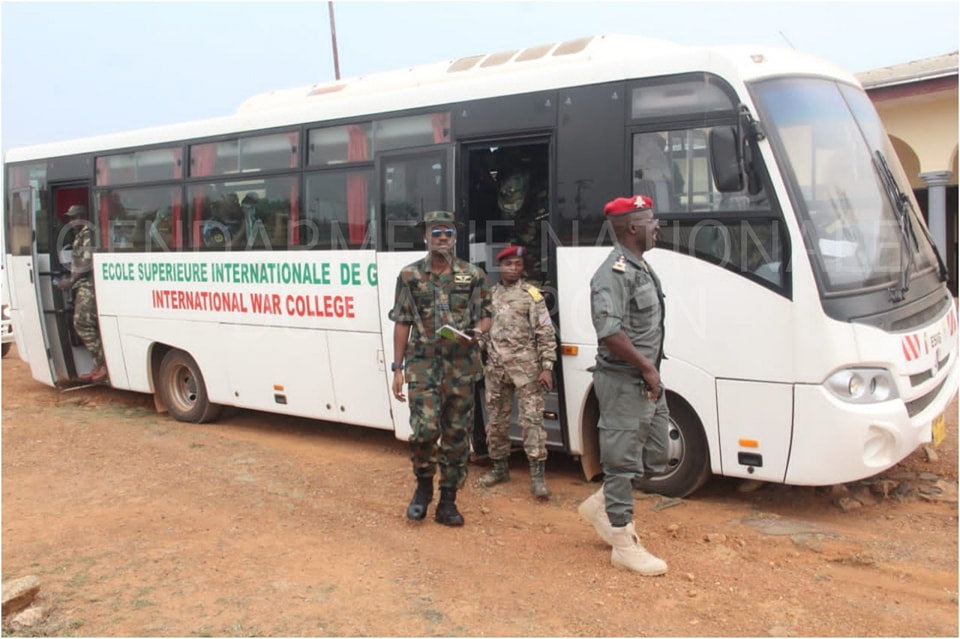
(447, 513)
(417, 509)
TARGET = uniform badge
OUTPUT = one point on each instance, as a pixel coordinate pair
(620, 266)
(462, 278)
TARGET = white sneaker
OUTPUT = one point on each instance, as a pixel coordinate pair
(594, 510)
(628, 553)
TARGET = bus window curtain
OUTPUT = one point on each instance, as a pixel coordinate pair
(357, 151)
(293, 227)
(104, 207)
(441, 127)
(18, 178)
(203, 158)
(176, 217)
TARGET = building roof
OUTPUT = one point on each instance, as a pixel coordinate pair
(941, 66)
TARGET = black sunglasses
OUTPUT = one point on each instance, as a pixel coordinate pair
(439, 232)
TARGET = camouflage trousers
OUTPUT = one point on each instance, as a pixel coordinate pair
(500, 394)
(85, 320)
(633, 438)
(441, 417)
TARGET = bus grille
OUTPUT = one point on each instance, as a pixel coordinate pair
(918, 378)
(916, 406)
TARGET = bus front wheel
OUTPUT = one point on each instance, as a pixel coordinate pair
(183, 391)
(688, 456)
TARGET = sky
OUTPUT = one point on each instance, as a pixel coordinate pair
(76, 69)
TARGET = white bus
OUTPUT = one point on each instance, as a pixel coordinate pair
(250, 260)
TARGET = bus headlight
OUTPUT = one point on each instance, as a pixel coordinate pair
(863, 385)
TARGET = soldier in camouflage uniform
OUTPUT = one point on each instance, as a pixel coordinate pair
(441, 366)
(84, 300)
(521, 350)
(626, 305)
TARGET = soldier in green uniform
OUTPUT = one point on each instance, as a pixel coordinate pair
(521, 350)
(626, 304)
(441, 308)
(84, 301)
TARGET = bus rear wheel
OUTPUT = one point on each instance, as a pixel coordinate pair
(183, 391)
(688, 456)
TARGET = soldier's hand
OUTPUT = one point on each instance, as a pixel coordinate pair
(65, 283)
(654, 385)
(398, 386)
(546, 380)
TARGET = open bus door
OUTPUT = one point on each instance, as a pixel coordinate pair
(29, 283)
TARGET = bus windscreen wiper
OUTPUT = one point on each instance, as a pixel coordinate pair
(901, 209)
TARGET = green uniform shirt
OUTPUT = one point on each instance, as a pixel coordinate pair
(426, 301)
(81, 259)
(625, 294)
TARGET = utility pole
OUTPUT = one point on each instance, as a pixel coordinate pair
(333, 38)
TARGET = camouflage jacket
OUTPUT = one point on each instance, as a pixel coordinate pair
(522, 341)
(81, 259)
(427, 302)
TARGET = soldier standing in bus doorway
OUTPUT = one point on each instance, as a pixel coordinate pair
(521, 350)
(441, 309)
(84, 300)
(626, 303)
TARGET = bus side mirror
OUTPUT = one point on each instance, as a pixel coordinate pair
(725, 159)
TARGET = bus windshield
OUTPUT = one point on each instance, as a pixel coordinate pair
(829, 138)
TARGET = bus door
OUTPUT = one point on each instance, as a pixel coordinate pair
(28, 273)
(410, 184)
(68, 354)
(504, 198)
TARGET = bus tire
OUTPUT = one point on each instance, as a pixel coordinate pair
(183, 391)
(688, 466)
(6, 348)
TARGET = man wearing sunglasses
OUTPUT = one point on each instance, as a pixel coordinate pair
(441, 309)
(626, 305)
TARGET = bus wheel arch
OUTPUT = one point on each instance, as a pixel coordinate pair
(689, 467)
(590, 438)
(182, 390)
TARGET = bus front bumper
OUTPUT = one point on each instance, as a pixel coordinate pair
(836, 441)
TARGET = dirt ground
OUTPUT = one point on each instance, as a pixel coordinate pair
(259, 525)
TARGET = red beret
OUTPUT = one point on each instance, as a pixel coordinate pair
(624, 205)
(511, 251)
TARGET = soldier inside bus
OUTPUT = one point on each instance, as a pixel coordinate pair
(263, 227)
(226, 228)
(160, 231)
(521, 198)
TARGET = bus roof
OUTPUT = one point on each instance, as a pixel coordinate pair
(592, 60)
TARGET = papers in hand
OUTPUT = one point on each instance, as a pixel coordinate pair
(449, 332)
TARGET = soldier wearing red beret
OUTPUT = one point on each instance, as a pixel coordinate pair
(521, 350)
(626, 304)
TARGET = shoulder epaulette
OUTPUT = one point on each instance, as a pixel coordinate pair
(534, 293)
(620, 266)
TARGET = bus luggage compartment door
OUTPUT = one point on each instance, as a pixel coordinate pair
(756, 423)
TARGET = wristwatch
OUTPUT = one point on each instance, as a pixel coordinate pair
(394, 367)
